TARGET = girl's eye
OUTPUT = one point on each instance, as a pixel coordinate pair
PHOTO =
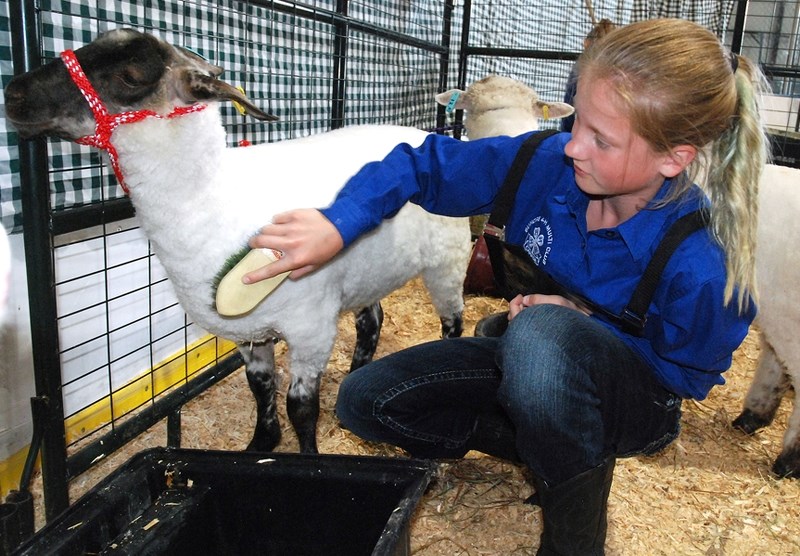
(600, 143)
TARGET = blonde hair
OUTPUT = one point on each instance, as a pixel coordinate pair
(681, 86)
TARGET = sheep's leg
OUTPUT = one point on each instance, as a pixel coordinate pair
(260, 370)
(447, 298)
(302, 405)
(788, 462)
(368, 330)
(766, 391)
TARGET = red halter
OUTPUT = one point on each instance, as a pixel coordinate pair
(106, 123)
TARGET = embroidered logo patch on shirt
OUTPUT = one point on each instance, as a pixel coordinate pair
(538, 240)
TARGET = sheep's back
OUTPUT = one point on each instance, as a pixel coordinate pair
(778, 268)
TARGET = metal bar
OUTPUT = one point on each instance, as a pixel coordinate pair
(464, 47)
(38, 241)
(444, 61)
(520, 53)
(96, 214)
(340, 45)
(128, 430)
(174, 429)
(738, 26)
(462, 63)
(780, 71)
(332, 18)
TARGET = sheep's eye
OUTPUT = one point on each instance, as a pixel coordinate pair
(139, 75)
(130, 79)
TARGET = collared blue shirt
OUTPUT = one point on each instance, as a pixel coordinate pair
(690, 335)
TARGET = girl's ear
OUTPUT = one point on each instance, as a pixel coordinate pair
(677, 160)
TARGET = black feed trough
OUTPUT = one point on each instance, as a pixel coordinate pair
(195, 502)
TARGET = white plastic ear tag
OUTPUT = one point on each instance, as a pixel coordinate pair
(236, 298)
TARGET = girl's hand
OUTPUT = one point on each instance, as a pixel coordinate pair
(305, 237)
(521, 301)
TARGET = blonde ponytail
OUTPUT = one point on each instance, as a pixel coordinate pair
(737, 159)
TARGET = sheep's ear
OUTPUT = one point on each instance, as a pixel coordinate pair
(552, 110)
(194, 86)
(446, 98)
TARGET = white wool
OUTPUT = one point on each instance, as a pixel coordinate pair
(778, 262)
(208, 201)
(778, 275)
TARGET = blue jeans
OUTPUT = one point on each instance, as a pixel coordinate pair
(575, 393)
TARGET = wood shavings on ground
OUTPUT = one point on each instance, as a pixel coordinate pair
(710, 493)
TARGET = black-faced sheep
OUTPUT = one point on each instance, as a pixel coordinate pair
(199, 202)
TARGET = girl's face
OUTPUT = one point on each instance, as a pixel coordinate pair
(611, 160)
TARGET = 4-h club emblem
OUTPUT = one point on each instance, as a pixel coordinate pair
(538, 240)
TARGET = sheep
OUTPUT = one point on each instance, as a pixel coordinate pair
(199, 202)
(496, 105)
(778, 273)
(499, 105)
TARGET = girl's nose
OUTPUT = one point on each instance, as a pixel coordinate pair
(571, 149)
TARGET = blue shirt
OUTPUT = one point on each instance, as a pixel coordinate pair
(690, 336)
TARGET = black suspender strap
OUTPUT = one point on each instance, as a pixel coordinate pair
(504, 201)
(635, 313)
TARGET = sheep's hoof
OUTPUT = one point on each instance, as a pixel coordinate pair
(787, 466)
(749, 422)
(265, 440)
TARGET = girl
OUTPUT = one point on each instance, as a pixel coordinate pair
(562, 390)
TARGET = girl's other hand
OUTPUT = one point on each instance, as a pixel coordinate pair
(516, 305)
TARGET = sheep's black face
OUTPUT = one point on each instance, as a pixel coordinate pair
(125, 68)
(130, 71)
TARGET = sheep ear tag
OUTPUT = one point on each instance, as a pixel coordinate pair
(235, 298)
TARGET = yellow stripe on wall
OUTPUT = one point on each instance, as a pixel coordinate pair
(11, 471)
(170, 373)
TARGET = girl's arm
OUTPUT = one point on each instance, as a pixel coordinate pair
(443, 175)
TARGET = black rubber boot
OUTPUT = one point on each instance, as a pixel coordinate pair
(494, 435)
(492, 326)
(574, 513)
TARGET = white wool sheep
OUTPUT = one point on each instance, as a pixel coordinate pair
(199, 202)
(499, 105)
(778, 273)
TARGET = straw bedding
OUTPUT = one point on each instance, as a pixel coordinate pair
(709, 493)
